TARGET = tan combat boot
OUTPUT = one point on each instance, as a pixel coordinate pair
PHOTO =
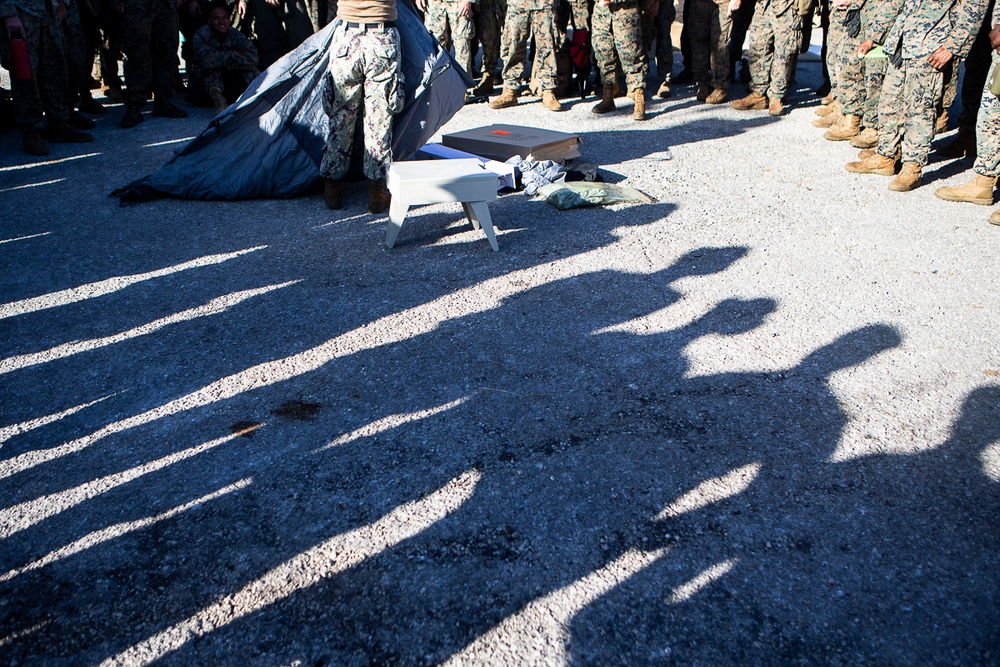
(718, 96)
(828, 120)
(607, 102)
(331, 193)
(848, 126)
(907, 179)
(994, 218)
(829, 98)
(867, 138)
(941, 124)
(828, 109)
(508, 98)
(873, 164)
(378, 197)
(977, 191)
(664, 90)
(775, 107)
(485, 86)
(753, 101)
(218, 99)
(639, 104)
(963, 144)
(550, 102)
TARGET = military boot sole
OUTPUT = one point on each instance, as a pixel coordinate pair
(858, 168)
(857, 142)
(830, 135)
(948, 194)
(899, 186)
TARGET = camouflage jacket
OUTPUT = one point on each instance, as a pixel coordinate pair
(235, 52)
(922, 26)
(777, 7)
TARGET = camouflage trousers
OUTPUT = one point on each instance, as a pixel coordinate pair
(616, 30)
(489, 26)
(851, 90)
(150, 45)
(364, 70)
(988, 130)
(774, 51)
(835, 33)
(443, 21)
(45, 92)
(874, 71)
(521, 25)
(710, 24)
(908, 109)
(658, 30)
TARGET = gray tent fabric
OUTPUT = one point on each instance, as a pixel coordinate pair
(269, 144)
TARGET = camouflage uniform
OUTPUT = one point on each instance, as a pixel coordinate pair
(489, 27)
(280, 29)
(851, 90)
(874, 73)
(988, 123)
(448, 27)
(835, 33)
(214, 61)
(710, 27)
(911, 93)
(616, 30)
(364, 69)
(45, 92)
(150, 45)
(526, 19)
(775, 37)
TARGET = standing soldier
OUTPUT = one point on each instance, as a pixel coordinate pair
(658, 28)
(775, 38)
(364, 72)
(616, 28)
(711, 22)
(850, 74)
(450, 21)
(526, 19)
(923, 40)
(980, 189)
(43, 93)
(977, 70)
(150, 45)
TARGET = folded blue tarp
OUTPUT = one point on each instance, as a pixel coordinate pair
(270, 142)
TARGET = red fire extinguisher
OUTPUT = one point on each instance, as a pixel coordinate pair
(19, 54)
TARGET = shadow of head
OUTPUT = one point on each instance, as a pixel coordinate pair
(851, 349)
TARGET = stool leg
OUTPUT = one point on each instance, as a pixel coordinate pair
(481, 213)
(397, 211)
(470, 215)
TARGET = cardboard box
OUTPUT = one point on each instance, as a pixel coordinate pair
(501, 142)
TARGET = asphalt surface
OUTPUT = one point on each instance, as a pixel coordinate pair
(755, 422)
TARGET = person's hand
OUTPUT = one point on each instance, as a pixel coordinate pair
(841, 4)
(734, 5)
(14, 27)
(865, 46)
(940, 58)
(465, 9)
(274, 3)
(995, 38)
(422, 5)
(241, 9)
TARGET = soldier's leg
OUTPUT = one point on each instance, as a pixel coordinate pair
(988, 133)
(603, 42)
(163, 50)
(850, 77)
(628, 43)
(76, 48)
(383, 98)
(136, 45)
(761, 51)
(890, 111)
(787, 39)
(51, 71)
(516, 32)
(436, 22)
(874, 73)
(977, 70)
(341, 101)
(544, 31)
(272, 43)
(833, 34)
(700, 31)
(27, 99)
(922, 92)
(722, 24)
(664, 41)
(490, 28)
(463, 35)
(298, 25)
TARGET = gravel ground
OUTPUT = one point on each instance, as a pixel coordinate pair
(756, 422)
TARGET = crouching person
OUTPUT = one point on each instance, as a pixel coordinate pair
(224, 62)
(364, 70)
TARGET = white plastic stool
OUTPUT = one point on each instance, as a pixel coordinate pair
(436, 181)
